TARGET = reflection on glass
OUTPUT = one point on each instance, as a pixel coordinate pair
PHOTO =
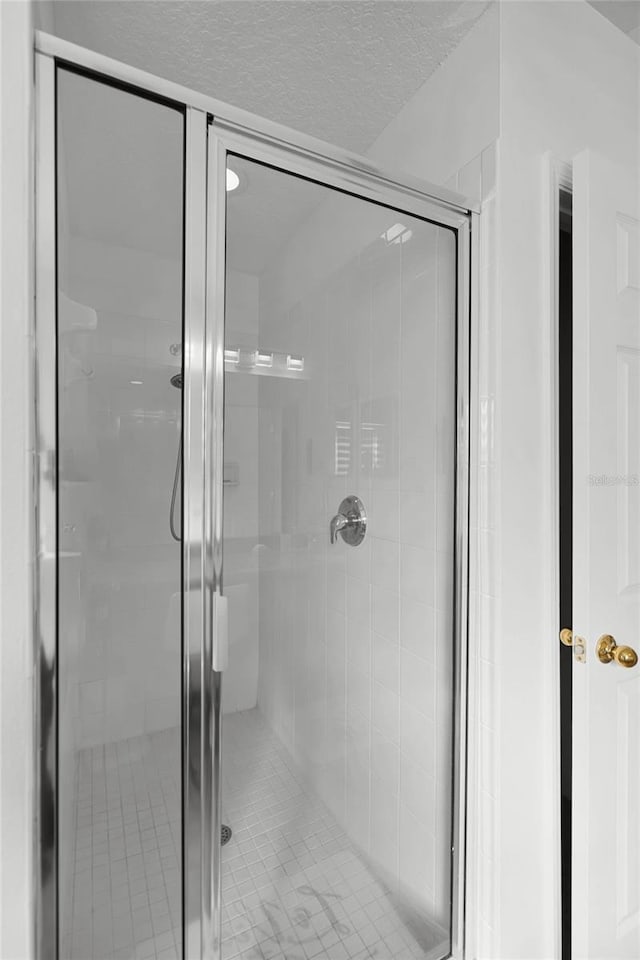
(338, 700)
(119, 198)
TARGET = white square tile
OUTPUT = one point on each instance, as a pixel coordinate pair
(383, 520)
(417, 574)
(385, 760)
(384, 829)
(418, 628)
(418, 516)
(417, 737)
(386, 662)
(358, 645)
(358, 690)
(418, 792)
(385, 563)
(385, 612)
(418, 683)
(359, 560)
(386, 712)
(358, 600)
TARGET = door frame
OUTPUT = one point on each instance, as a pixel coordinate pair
(556, 178)
(565, 560)
(203, 413)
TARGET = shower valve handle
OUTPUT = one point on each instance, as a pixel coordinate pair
(350, 522)
(338, 523)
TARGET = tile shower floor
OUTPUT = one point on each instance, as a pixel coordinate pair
(293, 885)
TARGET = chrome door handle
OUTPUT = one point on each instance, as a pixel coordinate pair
(350, 522)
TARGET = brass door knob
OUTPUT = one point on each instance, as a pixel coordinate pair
(607, 650)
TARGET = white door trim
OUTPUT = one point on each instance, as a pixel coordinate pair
(557, 175)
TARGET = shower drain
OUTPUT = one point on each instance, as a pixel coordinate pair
(225, 834)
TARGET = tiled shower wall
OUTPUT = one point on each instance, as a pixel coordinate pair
(356, 643)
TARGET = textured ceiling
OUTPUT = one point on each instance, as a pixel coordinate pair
(625, 14)
(338, 70)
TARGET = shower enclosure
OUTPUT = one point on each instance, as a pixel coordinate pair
(269, 634)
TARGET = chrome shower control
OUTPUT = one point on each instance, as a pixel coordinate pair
(350, 522)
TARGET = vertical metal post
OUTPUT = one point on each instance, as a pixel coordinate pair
(214, 350)
(465, 251)
(45, 587)
(196, 755)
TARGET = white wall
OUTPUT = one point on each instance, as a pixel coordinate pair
(16, 445)
(42, 12)
(453, 117)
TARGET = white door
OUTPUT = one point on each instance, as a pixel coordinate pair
(606, 565)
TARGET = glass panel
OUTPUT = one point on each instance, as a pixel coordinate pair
(120, 207)
(338, 701)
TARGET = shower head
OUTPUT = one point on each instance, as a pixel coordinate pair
(176, 381)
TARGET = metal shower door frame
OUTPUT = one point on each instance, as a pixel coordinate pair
(213, 129)
(196, 698)
(225, 138)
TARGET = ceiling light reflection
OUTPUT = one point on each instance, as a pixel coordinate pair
(233, 180)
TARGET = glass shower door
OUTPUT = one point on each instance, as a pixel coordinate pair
(119, 201)
(338, 700)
